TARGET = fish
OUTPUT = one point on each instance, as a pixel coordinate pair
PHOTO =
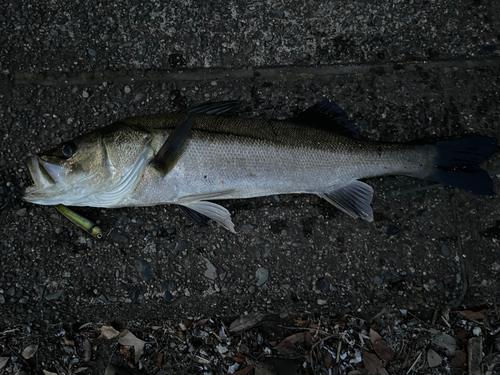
(203, 154)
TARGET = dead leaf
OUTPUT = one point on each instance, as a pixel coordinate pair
(309, 339)
(491, 360)
(472, 315)
(68, 342)
(3, 362)
(245, 322)
(433, 359)
(461, 333)
(383, 371)
(117, 370)
(125, 350)
(156, 328)
(302, 322)
(200, 323)
(159, 360)
(128, 338)
(45, 372)
(244, 371)
(80, 369)
(443, 341)
(108, 332)
(374, 336)
(287, 347)
(185, 324)
(380, 346)
(87, 350)
(372, 363)
(327, 359)
(239, 357)
(29, 351)
(459, 360)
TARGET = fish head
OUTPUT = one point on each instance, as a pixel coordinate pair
(96, 169)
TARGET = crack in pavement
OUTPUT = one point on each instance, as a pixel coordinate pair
(285, 73)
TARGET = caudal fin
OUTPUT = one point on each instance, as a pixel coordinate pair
(458, 164)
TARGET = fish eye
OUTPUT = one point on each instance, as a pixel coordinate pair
(68, 149)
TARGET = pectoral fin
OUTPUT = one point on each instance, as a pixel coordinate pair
(210, 210)
(354, 199)
(175, 144)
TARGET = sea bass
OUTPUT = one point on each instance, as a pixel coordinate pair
(194, 158)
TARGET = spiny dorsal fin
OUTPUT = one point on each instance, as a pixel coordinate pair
(213, 108)
(173, 147)
(327, 115)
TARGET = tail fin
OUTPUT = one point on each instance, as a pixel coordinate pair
(458, 164)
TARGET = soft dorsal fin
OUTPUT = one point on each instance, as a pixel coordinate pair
(327, 115)
(213, 108)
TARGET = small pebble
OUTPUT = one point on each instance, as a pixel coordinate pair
(85, 94)
(246, 228)
(139, 97)
(92, 52)
(182, 246)
(127, 90)
(170, 285)
(476, 331)
(323, 284)
(21, 212)
(211, 272)
(445, 250)
(322, 302)
(143, 268)
(262, 275)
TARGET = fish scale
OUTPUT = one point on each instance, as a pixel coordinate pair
(234, 154)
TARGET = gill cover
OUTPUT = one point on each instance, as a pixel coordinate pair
(99, 169)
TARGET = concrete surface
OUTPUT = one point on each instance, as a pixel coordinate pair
(403, 70)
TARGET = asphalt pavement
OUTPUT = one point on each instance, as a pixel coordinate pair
(403, 70)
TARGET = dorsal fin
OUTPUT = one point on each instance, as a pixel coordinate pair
(214, 108)
(326, 115)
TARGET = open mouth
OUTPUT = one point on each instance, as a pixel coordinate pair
(45, 174)
(48, 178)
(38, 173)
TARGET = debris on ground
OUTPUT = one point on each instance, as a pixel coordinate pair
(397, 342)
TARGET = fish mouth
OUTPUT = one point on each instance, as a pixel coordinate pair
(47, 178)
(39, 174)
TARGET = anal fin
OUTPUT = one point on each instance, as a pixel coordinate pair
(354, 199)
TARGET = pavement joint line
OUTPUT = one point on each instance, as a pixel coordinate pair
(285, 73)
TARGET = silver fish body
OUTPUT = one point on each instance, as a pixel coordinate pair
(225, 158)
(243, 158)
